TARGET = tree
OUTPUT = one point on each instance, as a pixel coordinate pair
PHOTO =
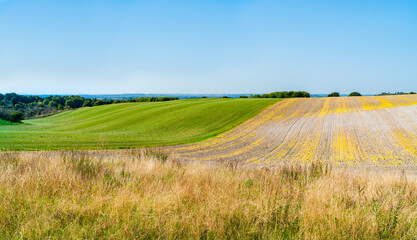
(98, 103)
(15, 116)
(300, 95)
(53, 104)
(70, 103)
(19, 105)
(78, 101)
(46, 101)
(9, 96)
(334, 94)
(285, 94)
(355, 94)
(88, 103)
(14, 100)
(243, 96)
(1, 97)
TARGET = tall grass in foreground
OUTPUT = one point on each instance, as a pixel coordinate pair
(144, 194)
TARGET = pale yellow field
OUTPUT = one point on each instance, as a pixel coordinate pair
(376, 131)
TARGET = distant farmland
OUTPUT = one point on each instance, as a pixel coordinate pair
(379, 131)
(131, 125)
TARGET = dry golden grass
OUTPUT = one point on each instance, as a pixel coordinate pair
(143, 194)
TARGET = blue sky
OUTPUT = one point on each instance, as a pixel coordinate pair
(212, 46)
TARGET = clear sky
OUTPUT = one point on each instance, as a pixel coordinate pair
(210, 46)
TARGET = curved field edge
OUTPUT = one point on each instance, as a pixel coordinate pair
(133, 125)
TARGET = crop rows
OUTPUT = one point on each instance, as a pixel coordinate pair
(352, 131)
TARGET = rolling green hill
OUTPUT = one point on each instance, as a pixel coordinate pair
(132, 124)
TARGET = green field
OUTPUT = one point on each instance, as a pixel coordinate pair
(130, 125)
(3, 122)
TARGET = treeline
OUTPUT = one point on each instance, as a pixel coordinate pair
(357, 94)
(396, 93)
(290, 94)
(15, 107)
(147, 99)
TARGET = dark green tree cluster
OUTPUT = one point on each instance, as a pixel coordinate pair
(13, 98)
(14, 107)
(355, 94)
(147, 99)
(290, 94)
(334, 94)
(11, 115)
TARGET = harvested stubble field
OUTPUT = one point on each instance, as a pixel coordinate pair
(352, 131)
(143, 194)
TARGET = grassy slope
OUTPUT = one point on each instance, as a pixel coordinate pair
(4, 122)
(132, 124)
